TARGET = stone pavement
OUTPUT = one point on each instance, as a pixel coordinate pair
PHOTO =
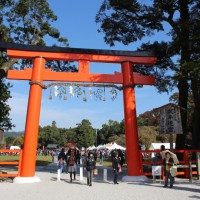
(51, 189)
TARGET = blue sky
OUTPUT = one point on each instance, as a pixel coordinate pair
(76, 21)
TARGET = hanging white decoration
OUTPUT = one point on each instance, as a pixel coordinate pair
(84, 97)
(71, 90)
(104, 94)
(65, 93)
(56, 90)
(90, 91)
(79, 89)
(50, 96)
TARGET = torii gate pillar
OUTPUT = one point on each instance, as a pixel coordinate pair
(32, 121)
(132, 147)
(131, 130)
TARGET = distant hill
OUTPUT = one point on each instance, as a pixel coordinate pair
(14, 134)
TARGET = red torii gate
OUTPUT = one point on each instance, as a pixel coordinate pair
(38, 73)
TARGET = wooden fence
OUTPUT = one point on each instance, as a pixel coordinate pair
(187, 166)
(11, 163)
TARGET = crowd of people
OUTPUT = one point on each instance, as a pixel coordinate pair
(88, 159)
(72, 157)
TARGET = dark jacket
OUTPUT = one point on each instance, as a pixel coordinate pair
(90, 164)
(61, 155)
(115, 163)
(168, 165)
(71, 158)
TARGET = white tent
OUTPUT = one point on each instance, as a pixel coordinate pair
(116, 146)
(14, 147)
(101, 147)
(156, 146)
(91, 148)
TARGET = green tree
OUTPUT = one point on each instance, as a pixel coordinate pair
(122, 127)
(132, 20)
(67, 136)
(71, 135)
(5, 120)
(9, 140)
(109, 130)
(147, 135)
(120, 140)
(49, 135)
(18, 141)
(141, 121)
(85, 135)
(27, 22)
(54, 135)
(53, 124)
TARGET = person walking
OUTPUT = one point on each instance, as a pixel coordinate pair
(90, 166)
(168, 163)
(101, 155)
(71, 163)
(61, 165)
(61, 158)
(95, 155)
(115, 165)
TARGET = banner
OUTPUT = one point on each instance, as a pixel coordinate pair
(156, 170)
(170, 120)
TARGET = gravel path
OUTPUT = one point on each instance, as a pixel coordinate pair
(51, 189)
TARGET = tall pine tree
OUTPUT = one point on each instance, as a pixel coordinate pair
(132, 20)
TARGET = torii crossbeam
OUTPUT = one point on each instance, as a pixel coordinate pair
(84, 56)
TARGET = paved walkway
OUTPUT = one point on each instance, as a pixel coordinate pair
(51, 189)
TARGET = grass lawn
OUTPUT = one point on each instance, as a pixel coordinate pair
(41, 160)
(45, 160)
(106, 162)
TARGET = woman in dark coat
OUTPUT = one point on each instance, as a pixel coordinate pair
(71, 163)
(115, 165)
(90, 166)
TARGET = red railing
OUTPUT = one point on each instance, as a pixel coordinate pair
(185, 157)
(14, 163)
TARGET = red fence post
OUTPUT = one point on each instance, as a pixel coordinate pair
(20, 163)
(186, 159)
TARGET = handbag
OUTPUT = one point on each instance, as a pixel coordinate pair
(173, 170)
(119, 168)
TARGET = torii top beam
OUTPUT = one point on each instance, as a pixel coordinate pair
(84, 57)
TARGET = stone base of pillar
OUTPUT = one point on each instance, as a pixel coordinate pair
(33, 179)
(135, 179)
